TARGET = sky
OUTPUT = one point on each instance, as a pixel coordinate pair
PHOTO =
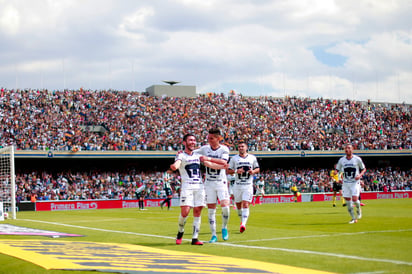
(346, 49)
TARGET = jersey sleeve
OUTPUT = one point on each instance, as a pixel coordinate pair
(225, 154)
(200, 151)
(232, 163)
(255, 163)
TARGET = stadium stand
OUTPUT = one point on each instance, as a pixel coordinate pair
(66, 120)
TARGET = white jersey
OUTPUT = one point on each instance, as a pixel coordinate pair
(350, 168)
(260, 184)
(216, 176)
(190, 170)
(249, 162)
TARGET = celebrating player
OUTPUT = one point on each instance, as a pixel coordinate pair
(192, 193)
(244, 166)
(216, 182)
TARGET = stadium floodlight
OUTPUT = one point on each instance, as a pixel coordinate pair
(171, 82)
(8, 181)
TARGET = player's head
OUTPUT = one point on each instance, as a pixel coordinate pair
(242, 147)
(214, 137)
(189, 141)
(348, 150)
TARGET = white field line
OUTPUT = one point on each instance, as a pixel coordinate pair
(322, 235)
(255, 247)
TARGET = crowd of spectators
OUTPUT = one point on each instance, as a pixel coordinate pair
(62, 120)
(98, 184)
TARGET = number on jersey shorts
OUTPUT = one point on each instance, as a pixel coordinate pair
(192, 197)
(216, 192)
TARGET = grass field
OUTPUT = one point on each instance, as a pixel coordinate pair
(309, 235)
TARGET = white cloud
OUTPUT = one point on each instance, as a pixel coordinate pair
(258, 47)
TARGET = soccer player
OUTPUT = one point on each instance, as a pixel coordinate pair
(216, 182)
(244, 166)
(192, 194)
(295, 192)
(168, 191)
(140, 194)
(353, 169)
(336, 186)
(231, 180)
(260, 189)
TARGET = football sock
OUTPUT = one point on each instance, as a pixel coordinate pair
(245, 215)
(239, 213)
(212, 220)
(181, 223)
(196, 227)
(225, 216)
(357, 204)
(350, 210)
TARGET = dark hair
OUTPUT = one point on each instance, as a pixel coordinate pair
(187, 136)
(214, 131)
(242, 142)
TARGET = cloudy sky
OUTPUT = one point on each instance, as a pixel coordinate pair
(358, 49)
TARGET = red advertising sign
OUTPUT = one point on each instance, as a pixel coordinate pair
(268, 199)
(93, 204)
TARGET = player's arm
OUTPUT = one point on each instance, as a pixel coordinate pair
(214, 165)
(175, 166)
(213, 160)
(254, 171)
(230, 171)
(359, 176)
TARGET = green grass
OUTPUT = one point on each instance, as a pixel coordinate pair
(276, 233)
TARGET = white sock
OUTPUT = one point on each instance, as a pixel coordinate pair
(245, 215)
(212, 220)
(181, 223)
(350, 209)
(196, 227)
(239, 213)
(225, 216)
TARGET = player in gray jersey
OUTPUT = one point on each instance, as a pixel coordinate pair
(353, 169)
(192, 193)
(244, 166)
(216, 185)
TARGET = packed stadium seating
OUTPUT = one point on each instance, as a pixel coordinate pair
(67, 119)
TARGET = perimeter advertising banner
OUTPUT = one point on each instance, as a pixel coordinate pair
(321, 197)
(268, 199)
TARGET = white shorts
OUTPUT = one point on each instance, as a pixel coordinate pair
(260, 192)
(243, 194)
(214, 192)
(192, 197)
(350, 189)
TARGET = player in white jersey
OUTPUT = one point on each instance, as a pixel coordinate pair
(260, 188)
(353, 169)
(192, 193)
(216, 185)
(244, 166)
